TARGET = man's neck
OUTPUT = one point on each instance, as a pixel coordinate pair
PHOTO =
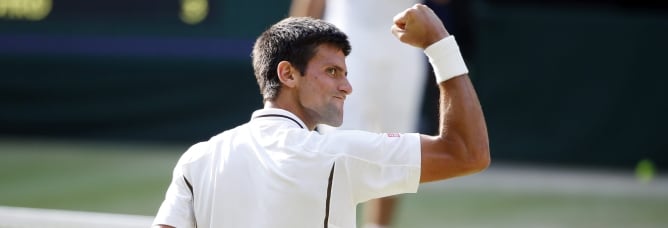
(294, 110)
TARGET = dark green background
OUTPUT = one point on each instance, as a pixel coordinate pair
(559, 83)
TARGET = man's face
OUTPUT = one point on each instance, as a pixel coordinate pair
(325, 86)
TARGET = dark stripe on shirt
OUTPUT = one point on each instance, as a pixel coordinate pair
(284, 116)
(329, 195)
(190, 186)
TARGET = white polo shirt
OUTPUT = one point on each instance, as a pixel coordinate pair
(273, 172)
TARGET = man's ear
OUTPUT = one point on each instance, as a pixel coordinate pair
(287, 74)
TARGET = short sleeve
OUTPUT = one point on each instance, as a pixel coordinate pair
(377, 165)
(177, 208)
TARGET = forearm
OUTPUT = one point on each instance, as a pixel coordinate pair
(461, 146)
(307, 8)
(462, 124)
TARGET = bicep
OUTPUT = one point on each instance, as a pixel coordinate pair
(439, 160)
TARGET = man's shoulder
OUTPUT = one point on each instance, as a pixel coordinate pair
(194, 153)
(202, 149)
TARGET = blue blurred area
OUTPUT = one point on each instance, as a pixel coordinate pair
(129, 70)
(561, 82)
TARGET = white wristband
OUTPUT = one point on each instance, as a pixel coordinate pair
(446, 59)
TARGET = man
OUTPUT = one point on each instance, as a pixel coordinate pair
(381, 67)
(275, 171)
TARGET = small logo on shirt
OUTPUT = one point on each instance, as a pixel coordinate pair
(393, 135)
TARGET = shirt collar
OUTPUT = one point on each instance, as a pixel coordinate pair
(275, 112)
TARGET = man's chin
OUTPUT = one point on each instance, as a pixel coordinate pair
(333, 118)
(334, 123)
(338, 124)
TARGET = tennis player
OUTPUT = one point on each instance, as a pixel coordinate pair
(275, 171)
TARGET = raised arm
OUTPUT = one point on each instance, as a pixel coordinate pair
(307, 8)
(462, 145)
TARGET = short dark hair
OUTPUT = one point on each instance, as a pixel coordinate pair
(295, 40)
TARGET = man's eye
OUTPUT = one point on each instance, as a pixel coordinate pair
(331, 71)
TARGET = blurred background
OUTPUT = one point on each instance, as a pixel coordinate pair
(99, 98)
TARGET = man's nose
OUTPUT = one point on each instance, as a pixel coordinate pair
(346, 87)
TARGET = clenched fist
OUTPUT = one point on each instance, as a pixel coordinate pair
(418, 26)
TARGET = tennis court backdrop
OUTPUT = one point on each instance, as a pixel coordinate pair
(84, 184)
(562, 83)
